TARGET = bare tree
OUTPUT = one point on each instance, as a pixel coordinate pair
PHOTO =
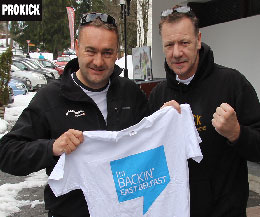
(112, 7)
(144, 6)
(139, 32)
(2, 29)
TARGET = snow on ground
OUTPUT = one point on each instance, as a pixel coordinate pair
(8, 192)
(13, 111)
(3, 127)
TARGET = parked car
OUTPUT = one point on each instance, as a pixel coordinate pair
(62, 61)
(25, 81)
(22, 64)
(37, 80)
(50, 64)
(37, 62)
(18, 87)
(69, 52)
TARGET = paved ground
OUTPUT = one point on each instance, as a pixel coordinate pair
(31, 194)
(253, 211)
(253, 204)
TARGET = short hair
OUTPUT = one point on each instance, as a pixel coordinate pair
(100, 24)
(177, 16)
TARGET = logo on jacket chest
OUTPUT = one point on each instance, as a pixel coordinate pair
(75, 113)
(198, 122)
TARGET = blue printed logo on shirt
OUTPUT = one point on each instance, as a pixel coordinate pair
(145, 174)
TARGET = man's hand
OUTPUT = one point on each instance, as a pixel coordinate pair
(67, 142)
(174, 104)
(226, 123)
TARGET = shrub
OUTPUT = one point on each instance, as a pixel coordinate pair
(5, 68)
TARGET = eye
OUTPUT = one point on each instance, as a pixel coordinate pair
(90, 52)
(107, 54)
(185, 43)
(169, 45)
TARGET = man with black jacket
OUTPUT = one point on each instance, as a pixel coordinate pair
(89, 96)
(226, 113)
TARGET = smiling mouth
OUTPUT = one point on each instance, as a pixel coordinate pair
(179, 64)
(97, 70)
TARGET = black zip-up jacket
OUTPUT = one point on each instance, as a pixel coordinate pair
(28, 147)
(219, 184)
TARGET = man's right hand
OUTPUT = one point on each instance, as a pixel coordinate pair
(67, 142)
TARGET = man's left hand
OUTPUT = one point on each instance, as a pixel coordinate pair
(226, 123)
(174, 104)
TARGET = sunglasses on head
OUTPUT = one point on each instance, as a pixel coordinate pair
(90, 17)
(183, 9)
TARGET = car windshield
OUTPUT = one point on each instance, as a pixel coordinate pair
(36, 63)
(31, 64)
(19, 65)
(47, 63)
(63, 59)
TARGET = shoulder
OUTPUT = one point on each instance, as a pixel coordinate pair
(47, 95)
(228, 72)
(157, 96)
(159, 88)
(49, 89)
(232, 78)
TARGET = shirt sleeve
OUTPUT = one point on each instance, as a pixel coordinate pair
(192, 138)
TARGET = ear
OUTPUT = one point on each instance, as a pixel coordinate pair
(77, 46)
(199, 41)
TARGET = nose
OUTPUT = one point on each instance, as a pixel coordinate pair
(98, 60)
(177, 51)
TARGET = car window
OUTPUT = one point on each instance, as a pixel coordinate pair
(47, 63)
(14, 68)
(63, 59)
(20, 65)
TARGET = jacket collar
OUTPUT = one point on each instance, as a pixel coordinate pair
(74, 92)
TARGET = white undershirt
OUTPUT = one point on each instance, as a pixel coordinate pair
(99, 97)
(186, 81)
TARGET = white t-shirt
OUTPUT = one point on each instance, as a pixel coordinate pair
(139, 171)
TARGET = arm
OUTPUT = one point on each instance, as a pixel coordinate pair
(29, 146)
(241, 125)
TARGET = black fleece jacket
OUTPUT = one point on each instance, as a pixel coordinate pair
(219, 184)
(28, 147)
